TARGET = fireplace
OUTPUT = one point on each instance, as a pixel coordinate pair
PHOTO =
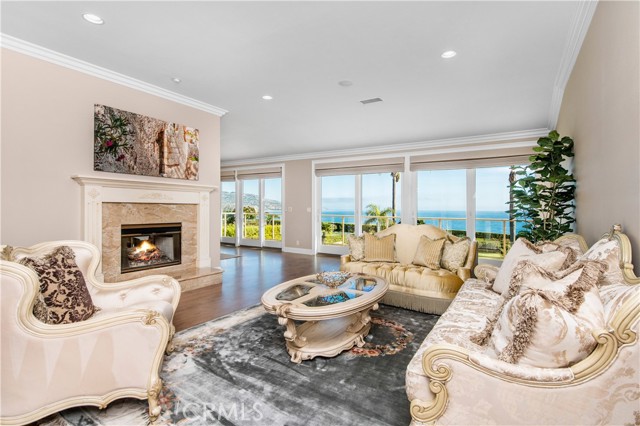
(150, 246)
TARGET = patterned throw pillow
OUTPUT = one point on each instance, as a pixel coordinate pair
(548, 255)
(379, 249)
(429, 252)
(607, 251)
(62, 286)
(454, 254)
(548, 324)
(356, 247)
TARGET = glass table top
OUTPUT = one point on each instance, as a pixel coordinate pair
(331, 299)
(294, 292)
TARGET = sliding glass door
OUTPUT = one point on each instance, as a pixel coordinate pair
(260, 223)
(228, 212)
(272, 208)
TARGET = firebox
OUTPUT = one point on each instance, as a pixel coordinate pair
(150, 246)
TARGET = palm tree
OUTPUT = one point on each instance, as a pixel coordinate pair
(375, 216)
(395, 178)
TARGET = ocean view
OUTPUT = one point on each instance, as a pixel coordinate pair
(488, 226)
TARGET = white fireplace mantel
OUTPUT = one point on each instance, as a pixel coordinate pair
(98, 190)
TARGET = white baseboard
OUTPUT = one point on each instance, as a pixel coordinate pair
(309, 252)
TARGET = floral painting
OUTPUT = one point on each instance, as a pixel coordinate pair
(126, 142)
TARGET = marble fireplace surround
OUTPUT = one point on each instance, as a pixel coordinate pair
(180, 200)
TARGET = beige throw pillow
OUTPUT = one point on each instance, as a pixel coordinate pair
(607, 251)
(379, 249)
(356, 247)
(429, 252)
(548, 323)
(62, 285)
(454, 254)
(549, 256)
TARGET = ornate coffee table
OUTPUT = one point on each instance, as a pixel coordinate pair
(334, 319)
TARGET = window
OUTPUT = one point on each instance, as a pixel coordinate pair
(338, 202)
(258, 221)
(495, 229)
(228, 209)
(272, 209)
(251, 209)
(381, 195)
(442, 199)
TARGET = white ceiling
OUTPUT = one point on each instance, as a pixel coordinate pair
(229, 54)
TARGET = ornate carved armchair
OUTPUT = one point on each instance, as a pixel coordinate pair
(116, 353)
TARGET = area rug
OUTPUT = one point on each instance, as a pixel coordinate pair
(236, 371)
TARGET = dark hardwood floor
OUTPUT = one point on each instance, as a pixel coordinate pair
(244, 280)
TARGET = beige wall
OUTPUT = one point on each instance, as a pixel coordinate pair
(601, 112)
(298, 197)
(47, 136)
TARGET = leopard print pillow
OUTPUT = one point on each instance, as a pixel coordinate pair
(62, 286)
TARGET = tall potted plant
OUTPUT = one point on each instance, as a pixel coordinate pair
(544, 191)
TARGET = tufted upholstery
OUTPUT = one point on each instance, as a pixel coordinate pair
(411, 286)
(116, 353)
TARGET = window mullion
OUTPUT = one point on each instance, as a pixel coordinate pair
(471, 203)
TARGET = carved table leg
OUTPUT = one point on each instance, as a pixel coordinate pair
(291, 334)
(362, 320)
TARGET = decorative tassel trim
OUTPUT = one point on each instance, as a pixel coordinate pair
(482, 338)
(571, 300)
(523, 332)
(416, 303)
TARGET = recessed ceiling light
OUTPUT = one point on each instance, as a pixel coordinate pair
(345, 83)
(94, 19)
(449, 54)
(267, 97)
(176, 80)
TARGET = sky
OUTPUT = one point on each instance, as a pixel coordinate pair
(440, 190)
(443, 190)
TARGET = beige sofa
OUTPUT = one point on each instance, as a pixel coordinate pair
(450, 380)
(410, 286)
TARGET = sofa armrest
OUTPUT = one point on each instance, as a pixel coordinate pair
(345, 258)
(486, 272)
(464, 273)
(521, 371)
(138, 290)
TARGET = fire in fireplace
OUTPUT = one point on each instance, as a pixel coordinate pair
(150, 246)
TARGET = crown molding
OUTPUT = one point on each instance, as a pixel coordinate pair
(399, 149)
(39, 52)
(578, 32)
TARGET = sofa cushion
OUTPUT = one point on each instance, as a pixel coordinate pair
(62, 286)
(356, 247)
(454, 254)
(549, 322)
(549, 256)
(607, 251)
(408, 237)
(379, 249)
(429, 252)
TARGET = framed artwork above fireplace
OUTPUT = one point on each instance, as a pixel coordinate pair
(126, 142)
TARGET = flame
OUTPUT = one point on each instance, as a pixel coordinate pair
(144, 246)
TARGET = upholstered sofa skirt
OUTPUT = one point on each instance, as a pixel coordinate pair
(412, 287)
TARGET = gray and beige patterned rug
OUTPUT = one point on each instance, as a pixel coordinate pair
(236, 371)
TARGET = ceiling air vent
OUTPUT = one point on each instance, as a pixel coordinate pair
(370, 101)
